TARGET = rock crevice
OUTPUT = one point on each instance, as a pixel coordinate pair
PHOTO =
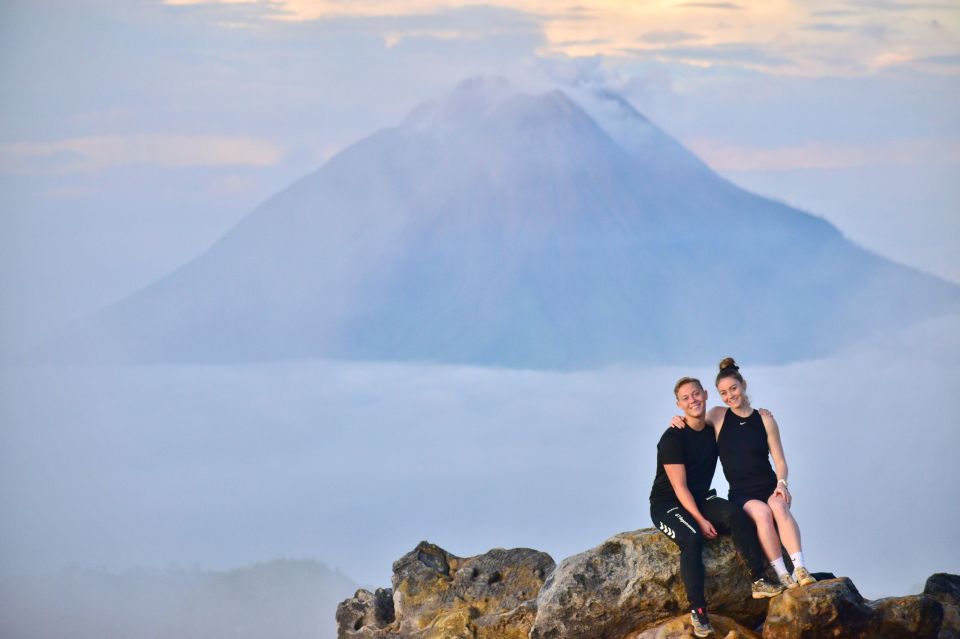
(628, 587)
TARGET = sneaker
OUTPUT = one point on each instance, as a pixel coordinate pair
(701, 624)
(787, 581)
(802, 576)
(762, 588)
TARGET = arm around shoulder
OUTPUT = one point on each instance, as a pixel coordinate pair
(775, 445)
(715, 418)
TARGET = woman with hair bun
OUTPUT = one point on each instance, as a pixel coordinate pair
(747, 439)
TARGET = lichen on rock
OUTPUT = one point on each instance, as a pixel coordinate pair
(633, 580)
(438, 595)
(628, 587)
(835, 609)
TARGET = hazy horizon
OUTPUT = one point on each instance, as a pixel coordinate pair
(135, 133)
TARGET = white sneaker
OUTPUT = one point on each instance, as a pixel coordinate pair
(802, 576)
(787, 581)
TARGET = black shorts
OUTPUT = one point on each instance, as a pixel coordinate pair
(739, 497)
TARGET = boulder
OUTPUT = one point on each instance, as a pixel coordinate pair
(680, 628)
(437, 595)
(628, 587)
(835, 609)
(631, 581)
(366, 615)
(945, 588)
(917, 616)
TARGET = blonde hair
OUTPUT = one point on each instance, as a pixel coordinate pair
(685, 380)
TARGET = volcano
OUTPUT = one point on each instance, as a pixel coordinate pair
(498, 228)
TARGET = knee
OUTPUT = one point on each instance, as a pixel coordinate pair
(778, 507)
(763, 517)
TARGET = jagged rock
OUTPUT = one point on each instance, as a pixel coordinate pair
(366, 613)
(680, 628)
(917, 616)
(835, 609)
(945, 588)
(631, 581)
(626, 588)
(437, 595)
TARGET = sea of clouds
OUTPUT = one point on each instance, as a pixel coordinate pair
(353, 463)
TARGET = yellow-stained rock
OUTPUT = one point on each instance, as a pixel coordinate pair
(680, 628)
(437, 595)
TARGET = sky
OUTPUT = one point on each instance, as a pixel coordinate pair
(134, 133)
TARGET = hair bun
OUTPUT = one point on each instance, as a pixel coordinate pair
(728, 362)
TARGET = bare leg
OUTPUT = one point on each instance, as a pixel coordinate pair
(762, 516)
(786, 524)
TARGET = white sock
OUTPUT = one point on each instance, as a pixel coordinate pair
(779, 567)
(797, 559)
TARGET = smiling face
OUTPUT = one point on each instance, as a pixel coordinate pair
(692, 400)
(733, 392)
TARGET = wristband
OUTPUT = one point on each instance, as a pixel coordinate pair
(782, 481)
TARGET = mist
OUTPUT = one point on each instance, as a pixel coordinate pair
(285, 599)
(351, 464)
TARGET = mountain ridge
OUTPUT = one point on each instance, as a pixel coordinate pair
(502, 228)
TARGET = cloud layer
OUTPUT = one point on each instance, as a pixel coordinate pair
(355, 463)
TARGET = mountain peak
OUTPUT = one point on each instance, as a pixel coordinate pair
(469, 100)
(501, 228)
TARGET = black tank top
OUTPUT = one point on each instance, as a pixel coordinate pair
(744, 452)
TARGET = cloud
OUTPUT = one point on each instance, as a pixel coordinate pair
(744, 54)
(610, 29)
(724, 156)
(393, 38)
(892, 5)
(669, 37)
(310, 458)
(946, 60)
(828, 27)
(728, 6)
(96, 153)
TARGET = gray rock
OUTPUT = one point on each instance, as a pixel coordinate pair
(679, 627)
(631, 581)
(437, 595)
(945, 588)
(365, 614)
(834, 609)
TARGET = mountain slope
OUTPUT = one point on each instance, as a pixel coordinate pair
(499, 228)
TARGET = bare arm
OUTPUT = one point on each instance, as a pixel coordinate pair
(677, 474)
(715, 417)
(776, 451)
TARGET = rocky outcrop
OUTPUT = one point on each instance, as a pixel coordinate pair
(945, 588)
(626, 588)
(834, 609)
(631, 581)
(437, 595)
(366, 614)
(679, 628)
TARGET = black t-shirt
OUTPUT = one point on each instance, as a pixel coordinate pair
(696, 450)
